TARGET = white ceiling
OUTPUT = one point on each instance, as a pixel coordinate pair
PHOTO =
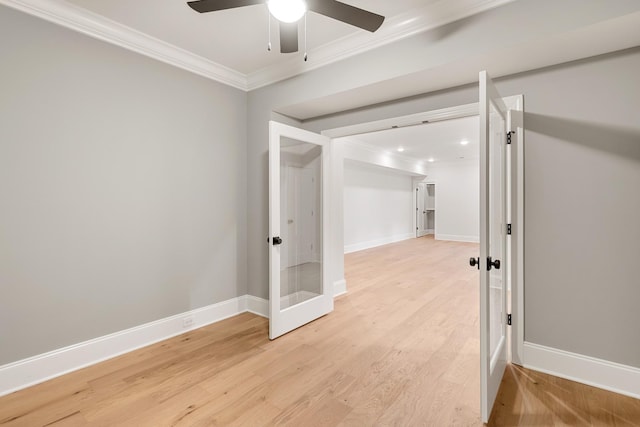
(440, 141)
(231, 45)
(236, 38)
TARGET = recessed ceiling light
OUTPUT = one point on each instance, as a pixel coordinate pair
(464, 142)
(431, 160)
(400, 149)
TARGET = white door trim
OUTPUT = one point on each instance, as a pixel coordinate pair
(515, 123)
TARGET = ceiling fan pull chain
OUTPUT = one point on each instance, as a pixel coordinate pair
(305, 37)
(269, 20)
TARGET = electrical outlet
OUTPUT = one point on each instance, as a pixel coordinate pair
(187, 322)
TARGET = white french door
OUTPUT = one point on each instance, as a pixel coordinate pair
(299, 172)
(493, 243)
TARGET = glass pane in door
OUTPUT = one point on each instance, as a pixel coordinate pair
(496, 233)
(300, 222)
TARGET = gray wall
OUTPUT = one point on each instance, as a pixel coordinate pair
(581, 171)
(582, 175)
(582, 204)
(124, 182)
(122, 188)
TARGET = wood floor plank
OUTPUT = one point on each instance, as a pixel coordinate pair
(400, 349)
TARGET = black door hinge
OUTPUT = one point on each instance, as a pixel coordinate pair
(509, 229)
(509, 319)
(509, 137)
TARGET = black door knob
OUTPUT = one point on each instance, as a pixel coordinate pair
(491, 263)
(474, 261)
(277, 241)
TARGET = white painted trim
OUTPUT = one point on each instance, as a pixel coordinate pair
(516, 103)
(402, 26)
(296, 298)
(257, 306)
(377, 242)
(588, 370)
(339, 287)
(34, 370)
(94, 25)
(457, 238)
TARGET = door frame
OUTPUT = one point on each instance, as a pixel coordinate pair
(516, 245)
(515, 123)
(415, 182)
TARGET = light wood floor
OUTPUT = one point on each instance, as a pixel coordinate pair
(400, 349)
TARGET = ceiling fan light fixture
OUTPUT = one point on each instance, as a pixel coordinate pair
(287, 10)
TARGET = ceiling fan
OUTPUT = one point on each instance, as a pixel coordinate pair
(289, 12)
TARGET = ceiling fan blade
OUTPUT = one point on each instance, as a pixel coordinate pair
(203, 6)
(346, 13)
(288, 37)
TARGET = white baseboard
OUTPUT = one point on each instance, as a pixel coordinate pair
(27, 372)
(599, 373)
(257, 306)
(457, 238)
(339, 287)
(377, 242)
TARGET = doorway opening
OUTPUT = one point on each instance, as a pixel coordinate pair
(498, 201)
(425, 208)
(438, 195)
(500, 214)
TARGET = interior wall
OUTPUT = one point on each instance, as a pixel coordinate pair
(580, 94)
(122, 189)
(496, 33)
(582, 236)
(581, 173)
(457, 200)
(378, 206)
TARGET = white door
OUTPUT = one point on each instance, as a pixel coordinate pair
(493, 234)
(421, 212)
(299, 290)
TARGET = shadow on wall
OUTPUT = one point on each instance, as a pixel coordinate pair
(618, 140)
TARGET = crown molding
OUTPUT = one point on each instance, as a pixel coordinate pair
(97, 26)
(399, 27)
(405, 25)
